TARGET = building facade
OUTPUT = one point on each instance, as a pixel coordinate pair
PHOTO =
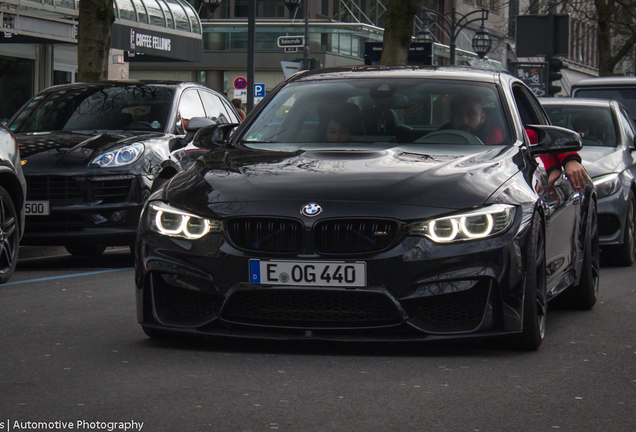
(181, 40)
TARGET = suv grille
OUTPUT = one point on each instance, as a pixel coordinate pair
(54, 188)
(62, 190)
(311, 308)
(266, 234)
(354, 235)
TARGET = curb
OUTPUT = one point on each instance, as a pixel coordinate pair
(26, 252)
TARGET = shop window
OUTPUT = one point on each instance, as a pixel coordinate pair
(16, 84)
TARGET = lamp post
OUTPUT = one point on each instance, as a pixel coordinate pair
(211, 5)
(292, 5)
(452, 24)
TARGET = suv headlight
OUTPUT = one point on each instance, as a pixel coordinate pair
(120, 157)
(172, 222)
(477, 224)
(607, 185)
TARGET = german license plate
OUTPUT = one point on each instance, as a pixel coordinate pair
(309, 273)
(39, 208)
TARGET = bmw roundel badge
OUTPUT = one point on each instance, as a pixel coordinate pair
(311, 210)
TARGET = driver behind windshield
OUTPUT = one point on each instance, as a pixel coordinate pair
(468, 115)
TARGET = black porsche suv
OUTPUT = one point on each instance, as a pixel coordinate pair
(93, 152)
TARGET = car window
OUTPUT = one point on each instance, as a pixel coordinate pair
(594, 124)
(626, 96)
(133, 107)
(232, 115)
(214, 108)
(372, 110)
(190, 106)
(527, 108)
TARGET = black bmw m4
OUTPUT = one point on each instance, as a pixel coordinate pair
(356, 204)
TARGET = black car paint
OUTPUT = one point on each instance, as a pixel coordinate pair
(68, 155)
(398, 182)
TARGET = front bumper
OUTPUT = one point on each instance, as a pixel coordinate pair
(612, 211)
(416, 290)
(100, 210)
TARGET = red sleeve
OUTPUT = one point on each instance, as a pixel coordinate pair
(496, 137)
(550, 161)
(564, 157)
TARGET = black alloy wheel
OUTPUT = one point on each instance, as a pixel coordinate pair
(9, 236)
(625, 255)
(535, 304)
(584, 295)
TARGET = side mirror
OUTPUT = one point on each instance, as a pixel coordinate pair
(213, 136)
(193, 125)
(554, 140)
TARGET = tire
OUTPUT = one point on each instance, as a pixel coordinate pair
(625, 255)
(535, 305)
(584, 295)
(85, 249)
(9, 236)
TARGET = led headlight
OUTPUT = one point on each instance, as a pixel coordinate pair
(172, 222)
(477, 224)
(607, 185)
(120, 157)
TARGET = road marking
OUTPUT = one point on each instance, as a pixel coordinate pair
(67, 276)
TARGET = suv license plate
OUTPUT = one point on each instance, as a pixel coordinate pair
(309, 273)
(38, 208)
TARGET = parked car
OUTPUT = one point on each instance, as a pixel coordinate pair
(12, 193)
(622, 89)
(607, 133)
(408, 229)
(94, 152)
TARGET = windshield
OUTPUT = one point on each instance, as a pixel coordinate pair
(626, 96)
(131, 107)
(594, 124)
(348, 111)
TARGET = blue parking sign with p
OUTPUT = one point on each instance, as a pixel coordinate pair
(259, 90)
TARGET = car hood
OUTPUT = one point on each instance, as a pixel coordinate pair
(444, 177)
(45, 150)
(601, 160)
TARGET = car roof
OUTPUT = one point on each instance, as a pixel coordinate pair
(605, 81)
(576, 101)
(120, 83)
(435, 72)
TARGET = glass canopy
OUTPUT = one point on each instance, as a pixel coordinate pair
(165, 14)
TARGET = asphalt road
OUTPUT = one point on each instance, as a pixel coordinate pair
(71, 351)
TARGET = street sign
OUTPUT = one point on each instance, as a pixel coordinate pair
(291, 49)
(259, 90)
(290, 68)
(534, 74)
(291, 41)
(241, 94)
(240, 83)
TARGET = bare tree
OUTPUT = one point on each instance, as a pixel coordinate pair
(398, 31)
(95, 20)
(616, 21)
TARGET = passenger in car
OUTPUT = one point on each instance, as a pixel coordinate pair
(467, 114)
(341, 122)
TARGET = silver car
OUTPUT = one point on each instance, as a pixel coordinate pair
(607, 131)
